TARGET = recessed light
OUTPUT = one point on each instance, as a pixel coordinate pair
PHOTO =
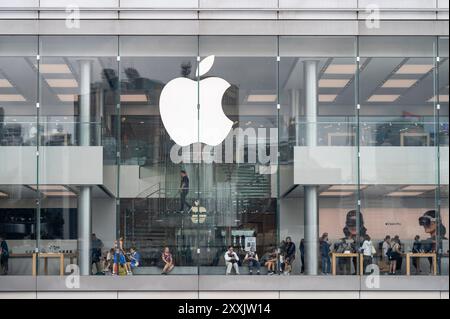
(341, 69)
(443, 98)
(133, 98)
(59, 194)
(68, 97)
(346, 187)
(423, 188)
(4, 83)
(383, 98)
(333, 83)
(404, 194)
(62, 83)
(12, 98)
(327, 97)
(3, 194)
(398, 83)
(54, 69)
(336, 194)
(415, 69)
(48, 187)
(261, 98)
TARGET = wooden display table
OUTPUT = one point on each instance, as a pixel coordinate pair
(335, 256)
(34, 258)
(420, 255)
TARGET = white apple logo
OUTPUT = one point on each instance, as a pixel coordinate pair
(181, 118)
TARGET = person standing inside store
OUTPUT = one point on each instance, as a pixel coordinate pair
(416, 249)
(302, 254)
(96, 252)
(289, 256)
(4, 255)
(368, 251)
(184, 190)
(325, 254)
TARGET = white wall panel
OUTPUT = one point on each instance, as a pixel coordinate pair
(19, 3)
(318, 4)
(159, 3)
(415, 4)
(80, 3)
(58, 165)
(379, 165)
(238, 4)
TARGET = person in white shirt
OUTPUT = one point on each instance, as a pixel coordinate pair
(231, 261)
(386, 246)
(367, 250)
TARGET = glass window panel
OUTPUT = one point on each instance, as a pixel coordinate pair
(398, 116)
(237, 185)
(78, 139)
(18, 137)
(150, 169)
(318, 121)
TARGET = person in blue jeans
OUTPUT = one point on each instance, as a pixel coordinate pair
(253, 261)
(325, 254)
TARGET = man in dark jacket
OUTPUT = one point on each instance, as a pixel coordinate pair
(290, 256)
(4, 255)
(184, 190)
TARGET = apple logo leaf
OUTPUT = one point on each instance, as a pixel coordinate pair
(205, 65)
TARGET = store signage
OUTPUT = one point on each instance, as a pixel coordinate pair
(188, 119)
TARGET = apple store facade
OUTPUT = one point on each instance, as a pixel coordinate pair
(284, 136)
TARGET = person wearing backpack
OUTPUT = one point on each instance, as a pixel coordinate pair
(394, 253)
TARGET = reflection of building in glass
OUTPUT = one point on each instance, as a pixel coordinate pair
(361, 148)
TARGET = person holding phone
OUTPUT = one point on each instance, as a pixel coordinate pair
(231, 261)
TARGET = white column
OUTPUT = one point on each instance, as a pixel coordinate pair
(84, 198)
(311, 196)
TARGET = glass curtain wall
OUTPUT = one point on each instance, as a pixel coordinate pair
(19, 211)
(152, 123)
(318, 143)
(237, 173)
(195, 144)
(398, 118)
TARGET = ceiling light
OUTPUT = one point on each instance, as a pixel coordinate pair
(336, 194)
(3, 194)
(4, 83)
(443, 98)
(12, 98)
(62, 83)
(404, 194)
(333, 83)
(261, 98)
(54, 69)
(423, 188)
(415, 69)
(383, 98)
(346, 187)
(48, 187)
(68, 97)
(340, 69)
(327, 97)
(397, 83)
(133, 98)
(59, 194)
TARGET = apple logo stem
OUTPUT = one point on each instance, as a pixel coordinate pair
(187, 124)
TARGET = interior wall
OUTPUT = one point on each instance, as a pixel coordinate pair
(104, 220)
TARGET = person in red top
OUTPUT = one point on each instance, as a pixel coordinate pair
(167, 261)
